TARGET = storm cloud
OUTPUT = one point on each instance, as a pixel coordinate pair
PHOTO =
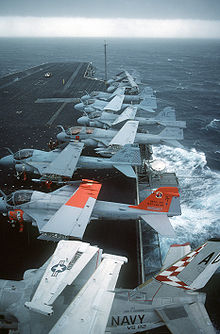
(143, 9)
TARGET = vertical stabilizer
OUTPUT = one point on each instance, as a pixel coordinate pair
(160, 200)
(195, 269)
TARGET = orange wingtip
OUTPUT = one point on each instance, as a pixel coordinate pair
(179, 245)
(87, 188)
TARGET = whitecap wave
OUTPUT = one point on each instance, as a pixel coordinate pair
(199, 195)
(214, 124)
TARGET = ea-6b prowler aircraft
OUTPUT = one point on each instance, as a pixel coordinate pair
(66, 212)
(103, 138)
(75, 292)
(105, 120)
(65, 162)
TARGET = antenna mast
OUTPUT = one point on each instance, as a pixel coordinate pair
(105, 49)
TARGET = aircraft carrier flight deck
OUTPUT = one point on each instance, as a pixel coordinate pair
(32, 105)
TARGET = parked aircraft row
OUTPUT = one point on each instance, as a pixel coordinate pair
(74, 291)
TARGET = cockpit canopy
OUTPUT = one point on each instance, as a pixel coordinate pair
(95, 114)
(75, 130)
(19, 197)
(89, 101)
(23, 154)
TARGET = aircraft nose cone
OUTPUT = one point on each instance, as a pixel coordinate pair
(3, 208)
(83, 120)
(62, 136)
(110, 89)
(85, 98)
(7, 162)
(79, 106)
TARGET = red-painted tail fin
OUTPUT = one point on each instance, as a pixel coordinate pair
(159, 200)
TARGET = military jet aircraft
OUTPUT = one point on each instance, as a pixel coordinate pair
(102, 138)
(94, 305)
(106, 120)
(123, 79)
(65, 162)
(66, 211)
(116, 104)
(146, 92)
(76, 269)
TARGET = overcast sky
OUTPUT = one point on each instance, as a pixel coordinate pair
(122, 18)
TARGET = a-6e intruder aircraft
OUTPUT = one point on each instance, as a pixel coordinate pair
(105, 120)
(75, 292)
(65, 162)
(66, 211)
(146, 92)
(123, 79)
(116, 104)
(106, 138)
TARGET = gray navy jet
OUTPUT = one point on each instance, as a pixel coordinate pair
(74, 292)
(65, 162)
(103, 138)
(67, 211)
(105, 120)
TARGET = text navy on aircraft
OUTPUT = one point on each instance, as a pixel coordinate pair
(170, 298)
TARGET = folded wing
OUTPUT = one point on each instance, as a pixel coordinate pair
(89, 311)
(73, 216)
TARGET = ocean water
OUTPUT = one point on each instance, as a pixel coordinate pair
(184, 74)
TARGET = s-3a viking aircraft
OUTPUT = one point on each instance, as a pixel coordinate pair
(65, 162)
(74, 292)
(66, 211)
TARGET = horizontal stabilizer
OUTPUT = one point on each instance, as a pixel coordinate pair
(126, 135)
(160, 223)
(128, 114)
(127, 170)
(172, 142)
(188, 318)
(129, 154)
(89, 311)
(173, 124)
(68, 260)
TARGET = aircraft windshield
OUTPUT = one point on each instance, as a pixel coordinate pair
(23, 154)
(73, 131)
(19, 197)
(95, 114)
(89, 131)
(88, 102)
